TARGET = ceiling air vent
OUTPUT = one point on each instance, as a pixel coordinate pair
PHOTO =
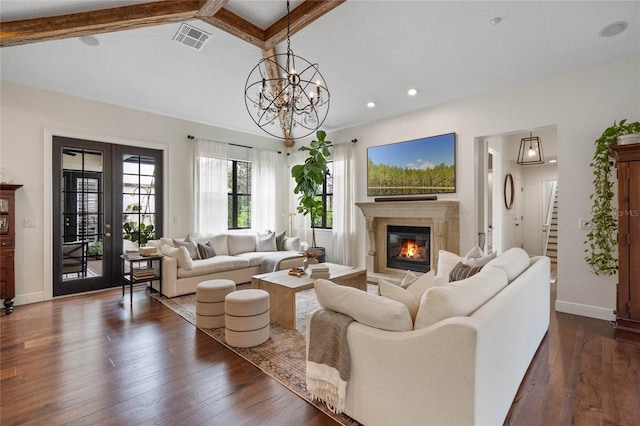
(191, 36)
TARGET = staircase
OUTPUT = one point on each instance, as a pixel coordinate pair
(551, 248)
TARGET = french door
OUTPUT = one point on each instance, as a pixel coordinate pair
(104, 197)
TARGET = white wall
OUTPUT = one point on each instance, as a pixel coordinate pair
(581, 105)
(28, 114)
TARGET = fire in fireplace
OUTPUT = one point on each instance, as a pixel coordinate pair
(408, 247)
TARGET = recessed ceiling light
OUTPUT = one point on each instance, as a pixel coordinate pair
(371, 104)
(553, 160)
(614, 29)
(90, 40)
(496, 20)
(412, 92)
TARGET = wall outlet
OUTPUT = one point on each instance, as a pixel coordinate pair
(30, 222)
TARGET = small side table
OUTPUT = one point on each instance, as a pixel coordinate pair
(142, 269)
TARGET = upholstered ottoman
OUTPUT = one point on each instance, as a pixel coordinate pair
(210, 302)
(246, 318)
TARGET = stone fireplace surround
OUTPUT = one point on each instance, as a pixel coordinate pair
(441, 216)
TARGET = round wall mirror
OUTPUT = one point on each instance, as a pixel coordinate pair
(508, 191)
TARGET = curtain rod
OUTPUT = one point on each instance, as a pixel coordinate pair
(191, 137)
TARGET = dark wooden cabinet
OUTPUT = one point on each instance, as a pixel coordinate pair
(7, 244)
(628, 304)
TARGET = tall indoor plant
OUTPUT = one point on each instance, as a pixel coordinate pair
(309, 177)
(601, 240)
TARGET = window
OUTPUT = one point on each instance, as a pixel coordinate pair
(239, 205)
(325, 194)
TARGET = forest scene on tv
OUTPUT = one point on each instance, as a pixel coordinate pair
(417, 167)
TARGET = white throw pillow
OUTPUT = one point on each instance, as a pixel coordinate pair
(476, 258)
(395, 292)
(292, 243)
(446, 262)
(181, 254)
(241, 243)
(425, 282)
(366, 308)
(408, 279)
(460, 298)
(191, 246)
(513, 261)
(266, 242)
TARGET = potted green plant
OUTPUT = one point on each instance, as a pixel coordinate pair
(309, 177)
(139, 234)
(601, 240)
(94, 249)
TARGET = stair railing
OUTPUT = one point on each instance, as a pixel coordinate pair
(549, 214)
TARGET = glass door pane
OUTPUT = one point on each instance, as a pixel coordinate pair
(82, 213)
(138, 200)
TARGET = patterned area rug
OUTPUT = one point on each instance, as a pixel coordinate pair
(282, 356)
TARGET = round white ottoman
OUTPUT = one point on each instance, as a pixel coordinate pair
(246, 318)
(210, 302)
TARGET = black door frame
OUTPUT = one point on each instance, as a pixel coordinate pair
(112, 275)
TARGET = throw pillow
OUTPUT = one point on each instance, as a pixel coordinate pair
(395, 292)
(408, 279)
(425, 282)
(462, 271)
(189, 245)
(206, 250)
(291, 243)
(461, 298)
(476, 258)
(446, 262)
(366, 308)
(280, 241)
(181, 254)
(266, 242)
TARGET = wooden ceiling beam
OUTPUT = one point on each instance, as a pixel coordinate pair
(273, 73)
(99, 21)
(303, 15)
(237, 26)
(211, 7)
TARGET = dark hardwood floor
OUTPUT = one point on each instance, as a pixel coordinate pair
(93, 360)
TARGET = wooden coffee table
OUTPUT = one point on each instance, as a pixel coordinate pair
(282, 288)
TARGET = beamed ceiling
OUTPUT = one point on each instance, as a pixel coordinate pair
(368, 50)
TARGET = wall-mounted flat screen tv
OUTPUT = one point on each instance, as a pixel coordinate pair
(417, 167)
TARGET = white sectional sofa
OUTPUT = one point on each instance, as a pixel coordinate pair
(237, 257)
(461, 362)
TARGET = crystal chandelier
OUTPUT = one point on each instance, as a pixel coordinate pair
(286, 95)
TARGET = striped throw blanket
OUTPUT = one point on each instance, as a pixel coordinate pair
(328, 359)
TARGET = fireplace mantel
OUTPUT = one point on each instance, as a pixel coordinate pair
(441, 216)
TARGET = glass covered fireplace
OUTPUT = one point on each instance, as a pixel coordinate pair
(408, 247)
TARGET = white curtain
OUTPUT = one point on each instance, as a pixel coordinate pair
(264, 166)
(342, 250)
(301, 225)
(211, 187)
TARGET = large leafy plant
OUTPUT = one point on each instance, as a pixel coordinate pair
(138, 233)
(309, 177)
(601, 241)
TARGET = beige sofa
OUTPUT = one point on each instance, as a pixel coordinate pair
(462, 360)
(237, 257)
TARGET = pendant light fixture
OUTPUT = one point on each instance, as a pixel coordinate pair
(530, 151)
(285, 95)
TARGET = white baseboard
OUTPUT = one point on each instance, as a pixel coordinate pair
(585, 310)
(25, 299)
